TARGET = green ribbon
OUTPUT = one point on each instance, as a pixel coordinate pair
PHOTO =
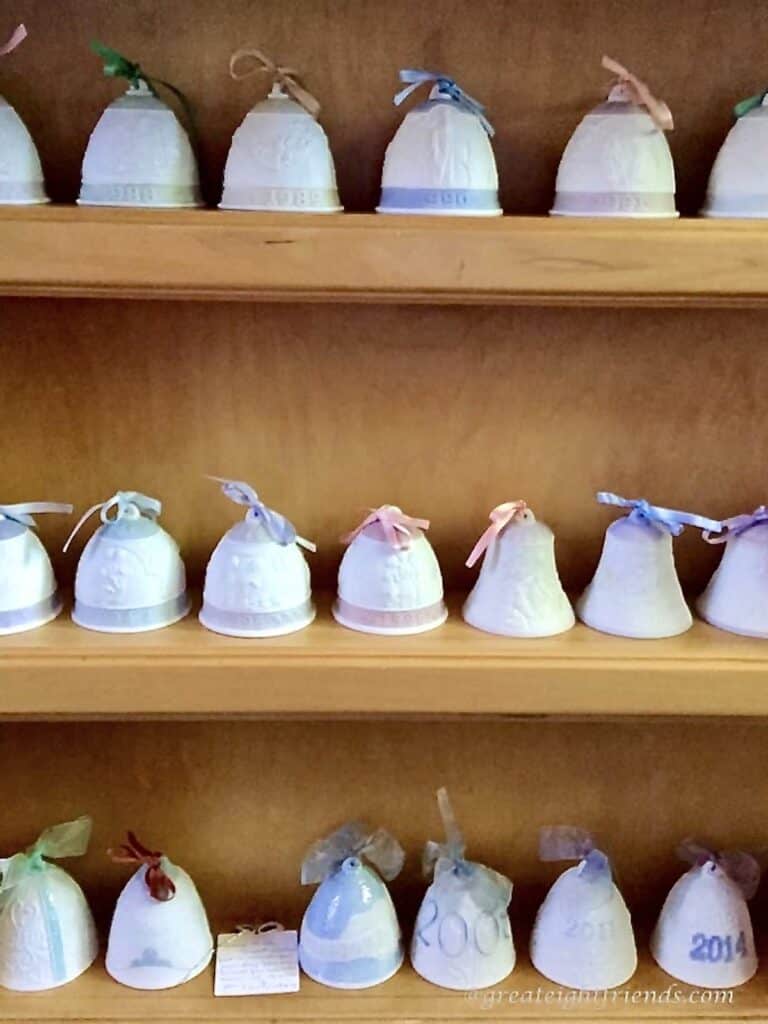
(70, 839)
(749, 104)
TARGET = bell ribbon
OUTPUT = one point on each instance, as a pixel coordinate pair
(288, 78)
(738, 524)
(18, 35)
(447, 86)
(748, 104)
(160, 886)
(453, 848)
(566, 842)
(660, 113)
(741, 867)
(397, 526)
(122, 501)
(23, 512)
(70, 839)
(668, 519)
(280, 529)
(353, 840)
(500, 517)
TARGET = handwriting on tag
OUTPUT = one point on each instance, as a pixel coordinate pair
(257, 963)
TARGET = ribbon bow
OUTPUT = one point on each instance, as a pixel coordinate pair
(668, 519)
(160, 886)
(70, 839)
(397, 526)
(745, 106)
(738, 524)
(500, 517)
(280, 529)
(130, 504)
(18, 36)
(446, 86)
(23, 512)
(325, 856)
(660, 113)
(283, 76)
(741, 867)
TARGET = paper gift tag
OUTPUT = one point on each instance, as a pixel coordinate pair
(257, 963)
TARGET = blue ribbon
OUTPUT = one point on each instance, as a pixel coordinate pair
(447, 86)
(668, 519)
(353, 840)
(280, 529)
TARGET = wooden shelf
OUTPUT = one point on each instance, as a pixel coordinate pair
(208, 254)
(328, 671)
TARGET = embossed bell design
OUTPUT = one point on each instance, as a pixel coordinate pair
(257, 581)
(47, 934)
(29, 595)
(279, 158)
(130, 577)
(160, 936)
(635, 591)
(704, 933)
(462, 938)
(737, 186)
(389, 577)
(440, 160)
(736, 598)
(582, 937)
(617, 163)
(350, 936)
(518, 592)
(21, 175)
(138, 153)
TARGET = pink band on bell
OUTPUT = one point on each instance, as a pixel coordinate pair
(400, 619)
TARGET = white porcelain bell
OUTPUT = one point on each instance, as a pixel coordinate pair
(130, 577)
(279, 158)
(737, 185)
(138, 153)
(350, 936)
(29, 596)
(389, 577)
(47, 934)
(21, 175)
(736, 598)
(582, 937)
(635, 591)
(617, 163)
(704, 933)
(518, 592)
(159, 937)
(257, 581)
(440, 159)
(462, 938)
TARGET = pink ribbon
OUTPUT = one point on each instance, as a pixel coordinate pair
(19, 35)
(641, 94)
(738, 524)
(500, 517)
(397, 526)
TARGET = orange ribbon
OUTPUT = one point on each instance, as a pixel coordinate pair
(500, 517)
(160, 886)
(660, 113)
(286, 77)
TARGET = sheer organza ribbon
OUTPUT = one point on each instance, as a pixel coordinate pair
(18, 35)
(500, 517)
(288, 78)
(70, 839)
(566, 842)
(741, 867)
(397, 526)
(280, 529)
(668, 519)
(124, 503)
(738, 524)
(447, 86)
(354, 839)
(660, 113)
(160, 886)
(23, 512)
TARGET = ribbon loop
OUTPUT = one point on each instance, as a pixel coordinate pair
(69, 839)
(126, 504)
(18, 36)
(280, 529)
(668, 519)
(452, 850)
(354, 839)
(741, 867)
(286, 77)
(397, 526)
(738, 524)
(447, 86)
(500, 517)
(160, 886)
(660, 113)
(23, 512)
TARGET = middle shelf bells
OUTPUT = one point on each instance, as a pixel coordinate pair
(736, 598)
(29, 595)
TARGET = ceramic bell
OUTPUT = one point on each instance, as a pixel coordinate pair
(350, 936)
(159, 937)
(635, 591)
(737, 185)
(440, 159)
(617, 163)
(389, 578)
(704, 933)
(518, 592)
(29, 596)
(130, 577)
(257, 580)
(138, 153)
(462, 938)
(582, 937)
(279, 158)
(737, 596)
(47, 934)
(21, 175)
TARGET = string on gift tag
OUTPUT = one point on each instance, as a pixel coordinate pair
(398, 527)
(741, 867)
(286, 77)
(160, 886)
(24, 511)
(500, 517)
(738, 524)
(280, 529)
(122, 505)
(446, 86)
(668, 519)
(660, 113)
(18, 36)
(354, 839)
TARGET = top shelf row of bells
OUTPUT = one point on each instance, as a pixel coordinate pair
(440, 161)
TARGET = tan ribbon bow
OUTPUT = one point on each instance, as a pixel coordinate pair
(641, 94)
(286, 77)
